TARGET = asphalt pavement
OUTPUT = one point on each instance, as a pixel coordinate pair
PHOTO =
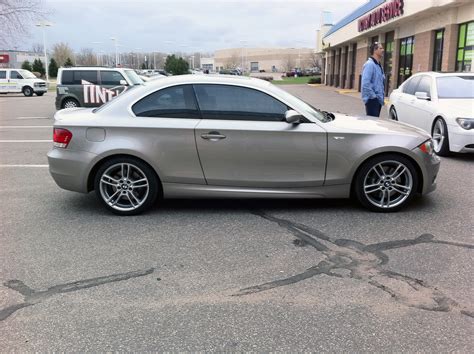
(227, 275)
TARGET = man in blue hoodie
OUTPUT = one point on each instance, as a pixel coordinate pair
(373, 81)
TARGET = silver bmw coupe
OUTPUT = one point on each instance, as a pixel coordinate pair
(200, 136)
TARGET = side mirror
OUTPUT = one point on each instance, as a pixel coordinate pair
(123, 82)
(422, 96)
(293, 117)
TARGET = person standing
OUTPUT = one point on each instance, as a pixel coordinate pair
(373, 81)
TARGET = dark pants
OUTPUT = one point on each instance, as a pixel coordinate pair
(373, 107)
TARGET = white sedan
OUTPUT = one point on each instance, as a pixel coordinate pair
(440, 103)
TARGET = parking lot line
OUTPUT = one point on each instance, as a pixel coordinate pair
(25, 126)
(26, 141)
(37, 166)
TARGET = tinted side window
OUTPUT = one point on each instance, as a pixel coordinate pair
(171, 102)
(424, 85)
(410, 86)
(67, 77)
(110, 78)
(3, 74)
(15, 75)
(238, 103)
(84, 75)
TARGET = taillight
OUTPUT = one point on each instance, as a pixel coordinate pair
(61, 137)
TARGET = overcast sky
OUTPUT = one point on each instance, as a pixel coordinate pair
(186, 26)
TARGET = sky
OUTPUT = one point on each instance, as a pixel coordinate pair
(185, 26)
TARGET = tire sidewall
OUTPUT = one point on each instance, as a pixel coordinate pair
(444, 150)
(153, 182)
(367, 166)
(27, 91)
(392, 109)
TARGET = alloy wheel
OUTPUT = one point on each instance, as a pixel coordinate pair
(439, 134)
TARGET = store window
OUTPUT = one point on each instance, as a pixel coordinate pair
(438, 50)
(407, 47)
(465, 51)
(388, 59)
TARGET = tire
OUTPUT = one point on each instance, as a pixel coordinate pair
(27, 91)
(39, 94)
(386, 183)
(393, 114)
(70, 103)
(439, 132)
(126, 186)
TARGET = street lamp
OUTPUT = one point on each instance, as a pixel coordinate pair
(115, 40)
(44, 24)
(138, 57)
(243, 41)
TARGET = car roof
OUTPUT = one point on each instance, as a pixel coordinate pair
(210, 78)
(91, 68)
(444, 74)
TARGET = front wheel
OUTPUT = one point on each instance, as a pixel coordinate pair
(386, 183)
(440, 137)
(393, 114)
(70, 103)
(126, 186)
(27, 91)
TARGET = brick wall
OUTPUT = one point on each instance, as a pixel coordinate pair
(361, 58)
(450, 44)
(423, 52)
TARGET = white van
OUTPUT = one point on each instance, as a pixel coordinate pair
(19, 80)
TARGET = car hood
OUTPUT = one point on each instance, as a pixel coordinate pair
(369, 125)
(460, 107)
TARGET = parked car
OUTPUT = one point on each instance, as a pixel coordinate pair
(441, 104)
(92, 86)
(21, 81)
(214, 136)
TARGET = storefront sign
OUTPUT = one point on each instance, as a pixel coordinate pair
(388, 11)
(4, 58)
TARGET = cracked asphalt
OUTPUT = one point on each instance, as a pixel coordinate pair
(228, 275)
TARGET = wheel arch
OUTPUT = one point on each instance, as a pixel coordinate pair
(99, 163)
(408, 157)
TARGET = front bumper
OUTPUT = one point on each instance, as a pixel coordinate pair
(429, 165)
(70, 169)
(460, 140)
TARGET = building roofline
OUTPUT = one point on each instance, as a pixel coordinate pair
(361, 10)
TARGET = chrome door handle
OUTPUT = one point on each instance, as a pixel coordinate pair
(213, 136)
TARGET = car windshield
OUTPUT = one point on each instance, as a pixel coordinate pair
(134, 78)
(312, 111)
(455, 86)
(27, 74)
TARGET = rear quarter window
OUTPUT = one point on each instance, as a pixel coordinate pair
(76, 77)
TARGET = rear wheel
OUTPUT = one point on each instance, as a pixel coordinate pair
(27, 91)
(126, 186)
(70, 103)
(440, 137)
(393, 114)
(386, 183)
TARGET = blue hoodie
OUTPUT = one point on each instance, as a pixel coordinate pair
(373, 81)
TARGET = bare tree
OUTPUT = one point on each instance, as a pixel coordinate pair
(233, 61)
(16, 16)
(37, 48)
(315, 60)
(86, 57)
(62, 51)
(288, 63)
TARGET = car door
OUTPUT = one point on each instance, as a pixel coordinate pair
(3, 81)
(422, 109)
(407, 98)
(112, 83)
(164, 124)
(243, 140)
(16, 81)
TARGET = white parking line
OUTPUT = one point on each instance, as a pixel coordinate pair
(25, 126)
(40, 166)
(26, 141)
(32, 118)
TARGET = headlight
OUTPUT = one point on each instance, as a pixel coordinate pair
(427, 147)
(466, 123)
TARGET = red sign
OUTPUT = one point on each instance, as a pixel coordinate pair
(383, 14)
(4, 58)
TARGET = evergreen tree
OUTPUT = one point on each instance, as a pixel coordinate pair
(39, 67)
(26, 66)
(68, 62)
(53, 68)
(176, 66)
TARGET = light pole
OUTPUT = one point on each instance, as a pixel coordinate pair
(97, 54)
(44, 24)
(138, 57)
(114, 39)
(243, 41)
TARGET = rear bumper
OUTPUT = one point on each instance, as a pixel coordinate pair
(70, 169)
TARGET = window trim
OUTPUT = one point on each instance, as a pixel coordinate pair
(433, 68)
(463, 48)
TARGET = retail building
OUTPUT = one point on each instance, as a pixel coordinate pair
(418, 35)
